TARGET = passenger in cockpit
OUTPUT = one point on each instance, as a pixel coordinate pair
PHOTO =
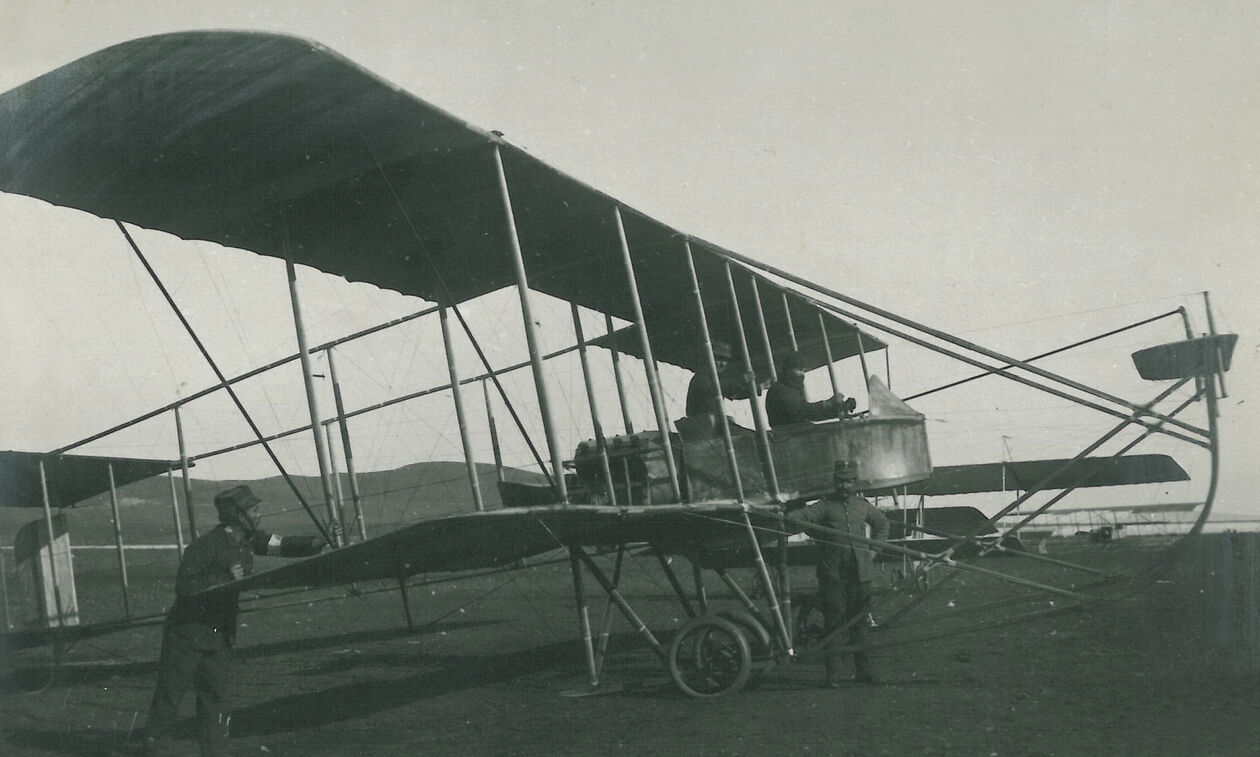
(786, 403)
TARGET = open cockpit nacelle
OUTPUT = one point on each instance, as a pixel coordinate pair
(889, 451)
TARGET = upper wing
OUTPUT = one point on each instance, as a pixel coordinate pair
(278, 145)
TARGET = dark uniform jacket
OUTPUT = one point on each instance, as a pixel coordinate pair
(209, 622)
(785, 404)
(702, 398)
(838, 558)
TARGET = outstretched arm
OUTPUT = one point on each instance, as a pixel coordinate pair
(264, 543)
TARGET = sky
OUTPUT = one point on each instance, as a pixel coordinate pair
(1022, 174)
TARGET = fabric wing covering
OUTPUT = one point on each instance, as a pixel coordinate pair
(71, 478)
(278, 145)
(1047, 474)
(499, 538)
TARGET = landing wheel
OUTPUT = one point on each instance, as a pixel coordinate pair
(709, 658)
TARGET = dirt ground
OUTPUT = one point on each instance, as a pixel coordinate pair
(493, 661)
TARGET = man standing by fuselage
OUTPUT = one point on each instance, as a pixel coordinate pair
(200, 631)
(845, 567)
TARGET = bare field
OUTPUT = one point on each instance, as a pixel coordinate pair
(1171, 670)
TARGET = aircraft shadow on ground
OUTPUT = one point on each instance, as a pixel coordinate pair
(453, 673)
(61, 741)
(32, 677)
(313, 643)
(291, 712)
(349, 701)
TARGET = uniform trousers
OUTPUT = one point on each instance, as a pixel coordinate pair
(842, 600)
(205, 667)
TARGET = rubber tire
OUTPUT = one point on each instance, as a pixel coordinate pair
(758, 644)
(709, 658)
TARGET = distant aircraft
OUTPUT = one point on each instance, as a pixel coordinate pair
(278, 146)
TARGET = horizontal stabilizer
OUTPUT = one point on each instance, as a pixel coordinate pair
(71, 478)
(1193, 357)
(1025, 474)
(940, 520)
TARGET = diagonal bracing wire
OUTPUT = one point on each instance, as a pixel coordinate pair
(446, 292)
(963, 344)
(223, 379)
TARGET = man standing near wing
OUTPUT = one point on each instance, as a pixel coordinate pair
(845, 568)
(200, 631)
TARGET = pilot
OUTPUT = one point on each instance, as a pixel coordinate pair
(786, 403)
(845, 568)
(703, 398)
(199, 632)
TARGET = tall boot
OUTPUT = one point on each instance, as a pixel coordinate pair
(831, 679)
(865, 670)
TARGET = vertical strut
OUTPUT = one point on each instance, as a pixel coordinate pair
(52, 543)
(312, 403)
(785, 577)
(605, 622)
(703, 320)
(531, 335)
(179, 529)
(584, 618)
(621, 603)
(702, 595)
(673, 581)
(118, 540)
(494, 433)
(406, 598)
(1219, 373)
(767, 585)
(759, 421)
(4, 591)
(616, 366)
(649, 362)
(866, 373)
(183, 464)
(345, 446)
(831, 368)
(470, 463)
(740, 595)
(787, 316)
(600, 443)
(761, 327)
(334, 475)
(1185, 321)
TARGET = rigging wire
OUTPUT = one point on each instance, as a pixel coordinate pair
(458, 315)
(1055, 351)
(1087, 311)
(205, 353)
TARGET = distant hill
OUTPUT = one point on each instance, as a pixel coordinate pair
(390, 499)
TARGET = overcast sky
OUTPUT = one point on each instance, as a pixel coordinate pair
(1022, 173)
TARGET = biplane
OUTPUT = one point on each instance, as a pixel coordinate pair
(280, 147)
